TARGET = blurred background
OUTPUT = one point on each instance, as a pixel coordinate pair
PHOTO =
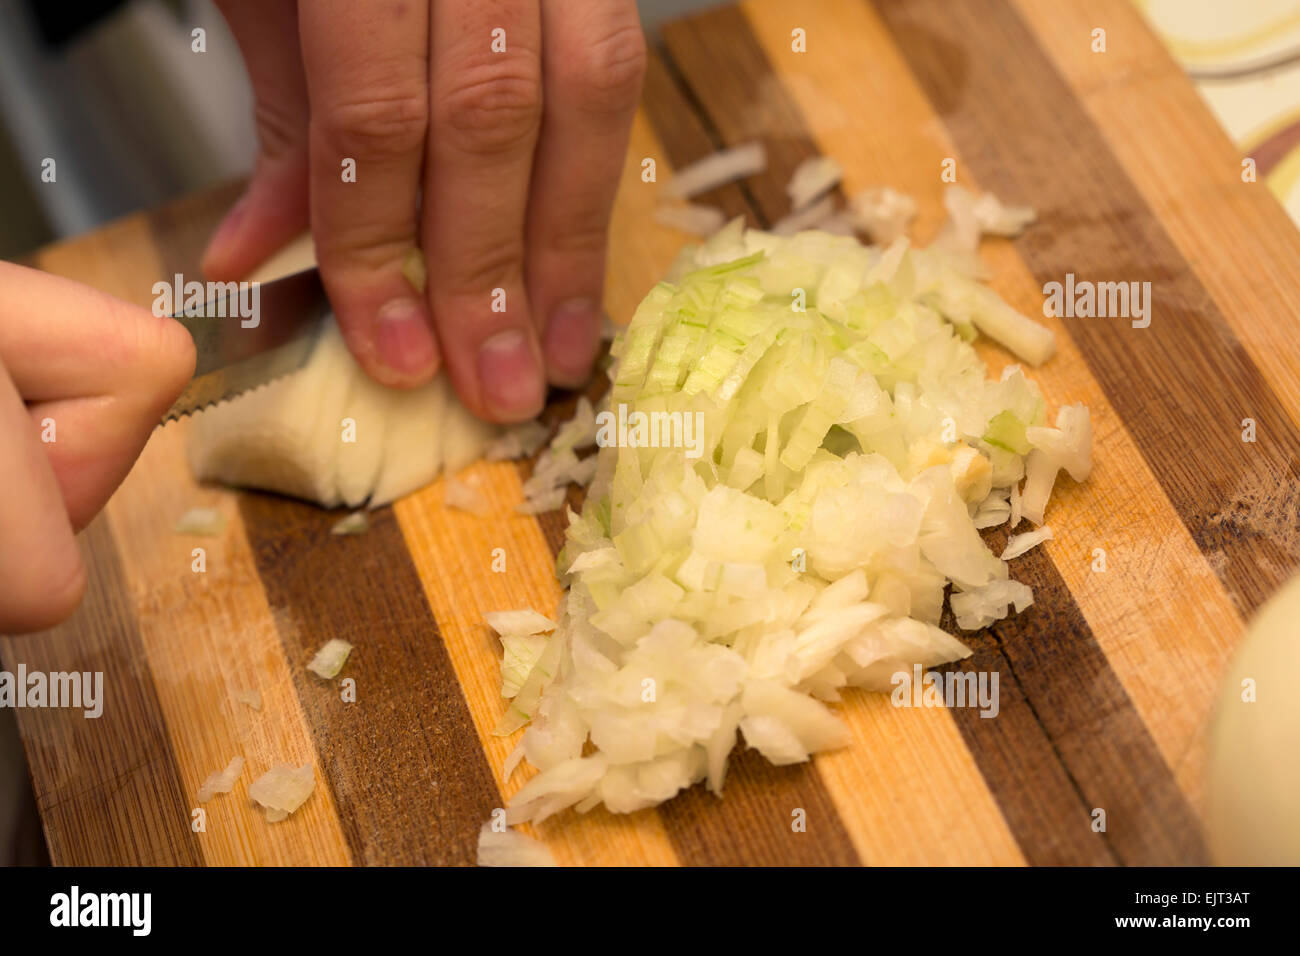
(110, 90)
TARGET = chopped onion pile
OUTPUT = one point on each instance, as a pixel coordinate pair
(221, 781)
(283, 789)
(852, 448)
(511, 848)
(329, 660)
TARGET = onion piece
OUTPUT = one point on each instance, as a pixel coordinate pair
(511, 848)
(356, 523)
(250, 698)
(283, 789)
(1018, 544)
(414, 270)
(804, 218)
(882, 213)
(200, 521)
(221, 781)
(518, 441)
(716, 170)
(521, 654)
(978, 608)
(331, 657)
(691, 218)
(521, 623)
(462, 496)
(813, 177)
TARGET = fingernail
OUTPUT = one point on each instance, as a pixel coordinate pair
(572, 339)
(510, 377)
(403, 339)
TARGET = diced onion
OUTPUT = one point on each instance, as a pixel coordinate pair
(221, 781)
(511, 848)
(882, 213)
(329, 660)
(1018, 544)
(414, 270)
(356, 523)
(282, 790)
(716, 170)
(201, 521)
(811, 179)
(850, 448)
(519, 623)
(463, 496)
(250, 698)
(518, 441)
(805, 218)
(691, 218)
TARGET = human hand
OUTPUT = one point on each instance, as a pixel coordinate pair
(84, 378)
(497, 153)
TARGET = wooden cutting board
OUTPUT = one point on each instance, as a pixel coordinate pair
(1106, 683)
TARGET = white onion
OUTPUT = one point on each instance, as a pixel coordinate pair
(462, 496)
(691, 218)
(282, 790)
(1018, 544)
(356, 523)
(882, 213)
(716, 170)
(805, 218)
(221, 781)
(849, 453)
(813, 177)
(200, 521)
(329, 660)
(511, 848)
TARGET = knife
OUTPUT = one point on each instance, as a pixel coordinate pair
(250, 335)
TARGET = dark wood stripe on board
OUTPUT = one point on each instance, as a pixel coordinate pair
(409, 778)
(1017, 124)
(1037, 759)
(108, 788)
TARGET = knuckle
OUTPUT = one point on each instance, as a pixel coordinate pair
(498, 265)
(384, 124)
(279, 130)
(605, 76)
(491, 107)
(585, 237)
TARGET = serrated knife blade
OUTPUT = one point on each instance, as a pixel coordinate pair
(238, 350)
